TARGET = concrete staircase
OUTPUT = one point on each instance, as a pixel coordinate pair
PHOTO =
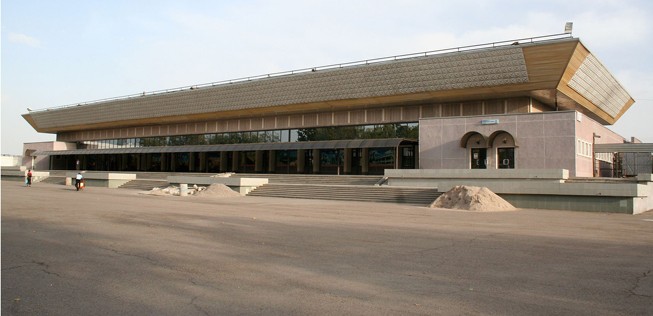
(144, 184)
(313, 179)
(54, 180)
(323, 187)
(403, 195)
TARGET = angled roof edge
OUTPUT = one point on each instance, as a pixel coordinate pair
(591, 85)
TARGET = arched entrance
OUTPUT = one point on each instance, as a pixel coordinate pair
(28, 156)
(477, 145)
(505, 149)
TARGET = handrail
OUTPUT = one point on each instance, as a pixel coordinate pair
(527, 40)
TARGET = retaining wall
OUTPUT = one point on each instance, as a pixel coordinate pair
(545, 189)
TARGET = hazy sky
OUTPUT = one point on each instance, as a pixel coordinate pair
(63, 52)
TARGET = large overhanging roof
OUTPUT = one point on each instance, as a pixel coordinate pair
(560, 72)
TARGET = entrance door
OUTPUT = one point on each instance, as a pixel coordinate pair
(355, 161)
(479, 158)
(308, 161)
(407, 157)
(331, 161)
(506, 158)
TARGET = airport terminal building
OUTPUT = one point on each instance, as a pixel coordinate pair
(537, 103)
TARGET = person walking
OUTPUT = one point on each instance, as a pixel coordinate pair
(78, 180)
(28, 178)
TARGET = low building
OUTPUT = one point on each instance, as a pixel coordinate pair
(538, 103)
(10, 160)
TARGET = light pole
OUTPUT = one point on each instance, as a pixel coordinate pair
(594, 171)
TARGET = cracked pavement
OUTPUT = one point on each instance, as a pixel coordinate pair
(112, 251)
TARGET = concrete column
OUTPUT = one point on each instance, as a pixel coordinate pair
(347, 161)
(272, 161)
(202, 162)
(235, 161)
(365, 161)
(258, 161)
(191, 162)
(316, 161)
(301, 160)
(173, 162)
(397, 158)
(224, 159)
(122, 161)
(138, 161)
(164, 161)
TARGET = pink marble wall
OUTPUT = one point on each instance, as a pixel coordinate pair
(42, 162)
(585, 130)
(544, 140)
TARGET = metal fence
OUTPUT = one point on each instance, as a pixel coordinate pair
(627, 164)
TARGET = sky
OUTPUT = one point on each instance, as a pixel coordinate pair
(56, 53)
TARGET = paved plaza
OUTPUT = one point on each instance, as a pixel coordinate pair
(117, 252)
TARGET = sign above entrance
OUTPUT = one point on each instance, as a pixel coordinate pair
(489, 122)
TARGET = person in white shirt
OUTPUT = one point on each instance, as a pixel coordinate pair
(78, 180)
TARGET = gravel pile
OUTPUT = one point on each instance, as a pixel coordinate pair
(218, 190)
(214, 190)
(472, 199)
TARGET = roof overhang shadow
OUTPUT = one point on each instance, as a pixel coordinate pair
(332, 144)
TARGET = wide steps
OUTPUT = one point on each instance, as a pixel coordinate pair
(415, 196)
(313, 179)
(54, 180)
(145, 184)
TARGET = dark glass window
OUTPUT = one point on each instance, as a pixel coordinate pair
(506, 158)
(403, 130)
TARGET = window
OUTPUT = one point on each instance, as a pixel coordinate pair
(479, 158)
(506, 158)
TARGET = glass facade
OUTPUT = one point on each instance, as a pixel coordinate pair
(398, 130)
(324, 161)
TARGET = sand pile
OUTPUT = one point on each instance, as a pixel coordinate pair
(173, 190)
(214, 190)
(218, 190)
(472, 199)
(223, 175)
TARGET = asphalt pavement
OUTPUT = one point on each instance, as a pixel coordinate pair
(117, 252)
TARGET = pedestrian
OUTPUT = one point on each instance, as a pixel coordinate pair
(78, 180)
(28, 179)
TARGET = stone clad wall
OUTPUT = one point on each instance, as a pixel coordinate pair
(539, 188)
(543, 140)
